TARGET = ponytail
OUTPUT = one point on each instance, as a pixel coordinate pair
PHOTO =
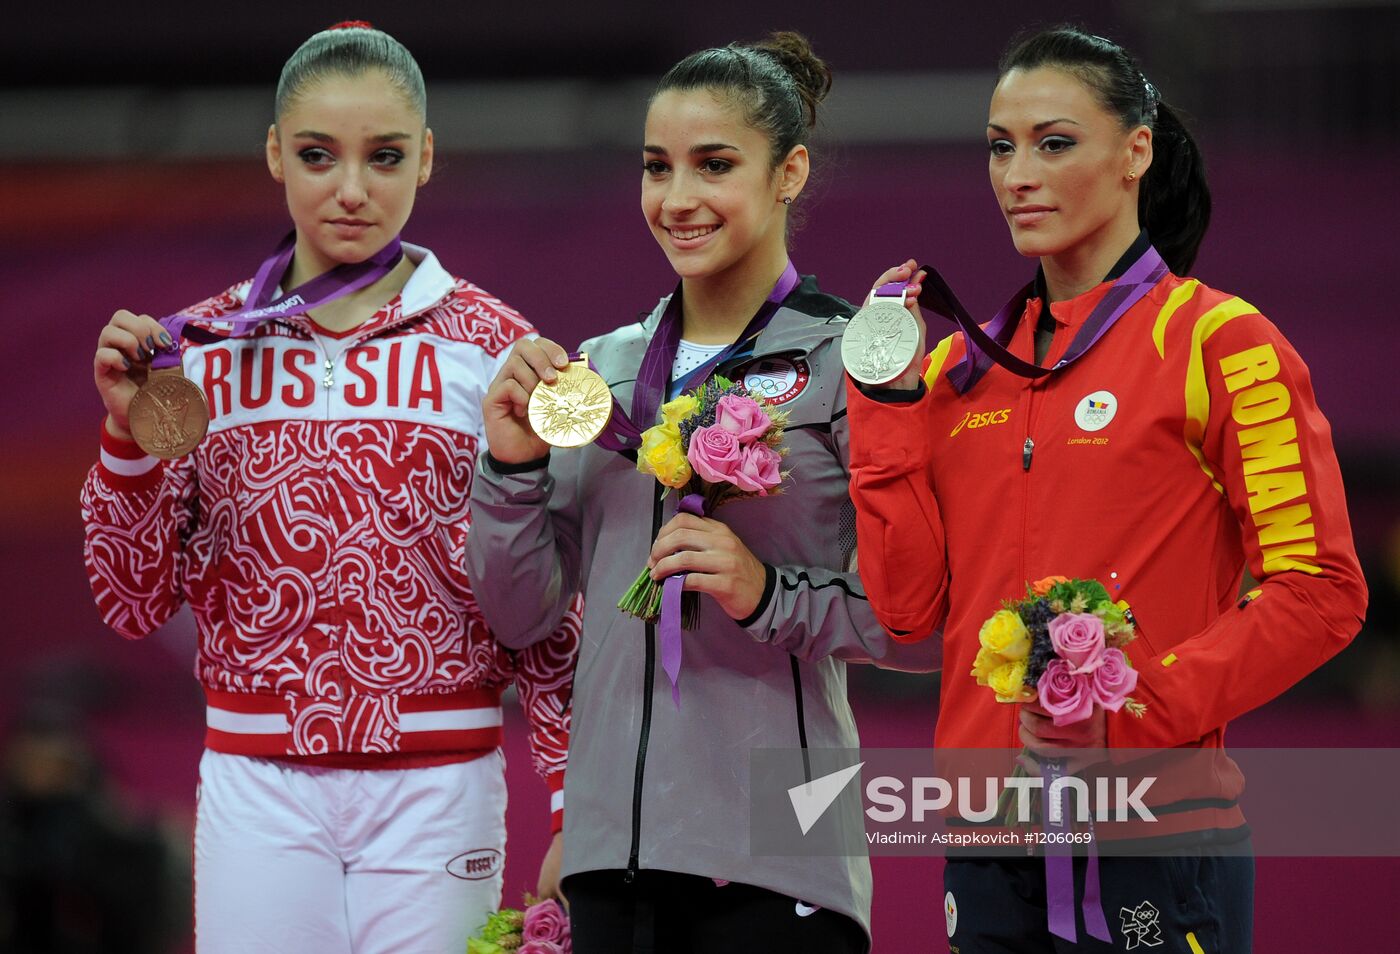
(1174, 199)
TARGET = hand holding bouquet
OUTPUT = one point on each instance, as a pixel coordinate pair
(717, 444)
(1062, 647)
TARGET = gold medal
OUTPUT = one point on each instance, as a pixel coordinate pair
(168, 416)
(574, 409)
(880, 341)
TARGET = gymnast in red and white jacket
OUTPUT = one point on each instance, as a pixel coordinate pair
(317, 534)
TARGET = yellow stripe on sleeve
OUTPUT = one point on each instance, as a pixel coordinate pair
(935, 361)
(1179, 296)
(1197, 393)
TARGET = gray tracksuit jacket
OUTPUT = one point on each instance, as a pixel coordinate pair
(650, 786)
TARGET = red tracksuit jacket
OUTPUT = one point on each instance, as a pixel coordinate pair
(317, 534)
(1183, 448)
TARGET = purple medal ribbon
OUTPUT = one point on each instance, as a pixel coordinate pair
(986, 347)
(624, 431)
(1059, 867)
(260, 306)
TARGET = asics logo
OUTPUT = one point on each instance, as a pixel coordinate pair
(982, 419)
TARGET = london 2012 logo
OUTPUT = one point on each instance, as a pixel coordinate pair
(1141, 926)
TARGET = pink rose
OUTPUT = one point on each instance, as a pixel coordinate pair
(1078, 640)
(714, 453)
(545, 921)
(758, 469)
(742, 416)
(539, 947)
(1113, 680)
(1063, 694)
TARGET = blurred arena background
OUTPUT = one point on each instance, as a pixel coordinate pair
(131, 175)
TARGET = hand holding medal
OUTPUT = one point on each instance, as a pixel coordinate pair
(157, 407)
(540, 398)
(884, 341)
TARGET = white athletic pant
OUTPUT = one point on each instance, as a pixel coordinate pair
(301, 860)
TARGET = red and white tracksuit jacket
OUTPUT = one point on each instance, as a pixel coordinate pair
(1185, 446)
(317, 534)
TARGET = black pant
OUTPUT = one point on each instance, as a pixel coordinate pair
(1197, 903)
(663, 912)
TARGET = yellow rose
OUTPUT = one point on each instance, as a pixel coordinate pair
(673, 412)
(1006, 635)
(1009, 682)
(985, 664)
(661, 455)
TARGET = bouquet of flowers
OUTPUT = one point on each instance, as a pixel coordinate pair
(542, 928)
(719, 443)
(1062, 644)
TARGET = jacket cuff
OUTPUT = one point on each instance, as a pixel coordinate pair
(524, 467)
(124, 465)
(770, 583)
(893, 395)
(555, 781)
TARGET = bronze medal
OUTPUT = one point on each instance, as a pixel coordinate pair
(880, 341)
(574, 409)
(168, 416)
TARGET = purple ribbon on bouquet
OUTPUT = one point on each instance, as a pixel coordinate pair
(990, 345)
(260, 306)
(669, 625)
(1059, 866)
(624, 431)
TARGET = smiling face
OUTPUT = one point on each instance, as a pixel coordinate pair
(352, 152)
(1059, 166)
(709, 190)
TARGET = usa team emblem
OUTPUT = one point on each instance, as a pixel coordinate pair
(780, 380)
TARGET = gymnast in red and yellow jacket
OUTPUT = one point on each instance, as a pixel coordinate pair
(1182, 449)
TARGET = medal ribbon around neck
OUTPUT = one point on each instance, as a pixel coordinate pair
(987, 346)
(623, 431)
(260, 305)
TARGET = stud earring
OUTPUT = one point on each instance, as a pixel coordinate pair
(787, 200)
(1131, 175)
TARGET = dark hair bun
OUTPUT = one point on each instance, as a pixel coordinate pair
(808, 71)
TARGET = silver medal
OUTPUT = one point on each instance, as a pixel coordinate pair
(880, 341)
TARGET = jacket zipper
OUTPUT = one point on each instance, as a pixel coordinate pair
(649, 677)
(801, 719)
